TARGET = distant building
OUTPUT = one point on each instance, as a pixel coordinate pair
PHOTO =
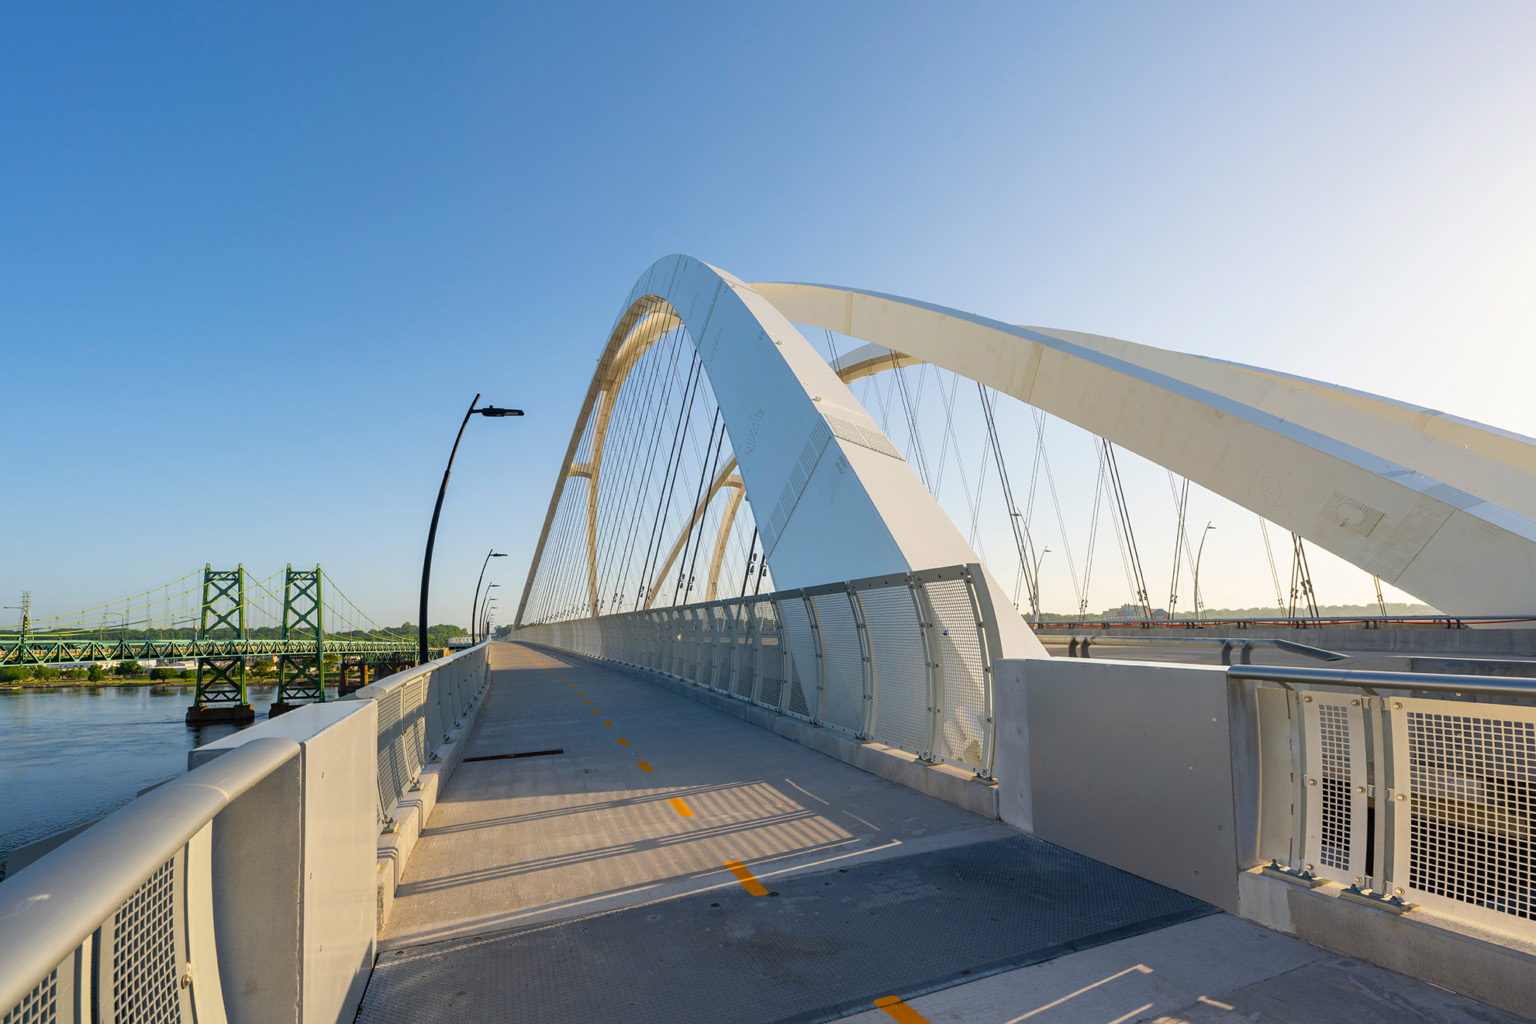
(1133, 613)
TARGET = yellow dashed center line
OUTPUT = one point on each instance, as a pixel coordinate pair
(623, 742)
(645, 766)
(745, 877)
(586, 702)
(680, 807)
(608, 724)
(900, 1011)
(595, 711)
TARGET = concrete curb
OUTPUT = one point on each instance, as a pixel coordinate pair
(1494, 967)
(940, 781)
(415, 809)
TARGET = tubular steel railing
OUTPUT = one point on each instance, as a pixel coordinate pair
(118, 922)
(1409, 800)
(902, 660)
(119, 918)
(1079, 646)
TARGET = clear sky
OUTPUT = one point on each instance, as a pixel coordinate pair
(256, 259)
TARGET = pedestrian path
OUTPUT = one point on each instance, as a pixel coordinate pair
(611, 850)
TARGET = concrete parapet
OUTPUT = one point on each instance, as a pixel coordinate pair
(1497, 968)
(293, 903)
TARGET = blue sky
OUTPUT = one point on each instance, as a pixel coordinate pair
(255, 260)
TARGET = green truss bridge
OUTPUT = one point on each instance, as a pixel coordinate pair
(302, 631)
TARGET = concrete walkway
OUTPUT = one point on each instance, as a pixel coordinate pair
(672, 863)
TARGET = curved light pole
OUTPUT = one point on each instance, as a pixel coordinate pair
(437, 510)
(486, 616)
(1198, 552)
(479, 613)
(1038, 559)
(474, 607)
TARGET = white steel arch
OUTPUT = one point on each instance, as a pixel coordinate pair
(1439, 506)
(1436, 505)
(832, 497)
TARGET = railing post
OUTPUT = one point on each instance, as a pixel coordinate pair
(867, 665)
(932, 661)
(991, 643)
(754, 651)
(821, 661)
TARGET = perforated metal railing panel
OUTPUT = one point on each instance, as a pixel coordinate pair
(901, 670)
(743, 652)
(770, 655)
(40, 1006)
(1333, 753)
(802, 656)
(1335, 776)
(1471, 782)
(964, 721)
(144, 986)
(843, 661)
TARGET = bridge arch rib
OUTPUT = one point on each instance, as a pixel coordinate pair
(1436, 505)
(801, 442)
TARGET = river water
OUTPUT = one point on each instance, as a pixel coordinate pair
(73, 754)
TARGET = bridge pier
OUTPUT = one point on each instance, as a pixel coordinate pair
(221, 694)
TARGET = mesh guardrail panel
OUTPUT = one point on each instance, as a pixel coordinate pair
(393, 774)
(963, 721)
(40, 1006)
(770, 655)
(743, 651)
(144, 962)
(901, 671)
(1471, 781)
(801, 666)
(843, 659)
(1334, 752)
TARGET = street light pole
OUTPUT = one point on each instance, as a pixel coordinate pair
(437, 510)
(481, 610)
(474, 608)
(1198, 552)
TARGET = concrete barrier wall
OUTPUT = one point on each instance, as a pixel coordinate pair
(294, 901)
(1128, 763)
(1186, 777)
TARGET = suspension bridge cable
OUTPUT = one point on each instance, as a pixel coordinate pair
(1274, 574)
(641, 494)
(1093, 532)
(1180, 508)
(703, 512)
(1021, 537)
(1124, 513)
(697, 497)
(669, 481)
(620, 451)
(1061, 520)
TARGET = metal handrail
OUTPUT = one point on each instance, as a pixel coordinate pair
(1283, 622)
(1227, 644)
(1370, 680)
(375, 690)
(48, 909)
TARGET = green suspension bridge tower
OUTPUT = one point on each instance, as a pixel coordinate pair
(301, 675)
(221, 694)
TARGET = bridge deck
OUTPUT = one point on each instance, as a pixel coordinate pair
(581, 886)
